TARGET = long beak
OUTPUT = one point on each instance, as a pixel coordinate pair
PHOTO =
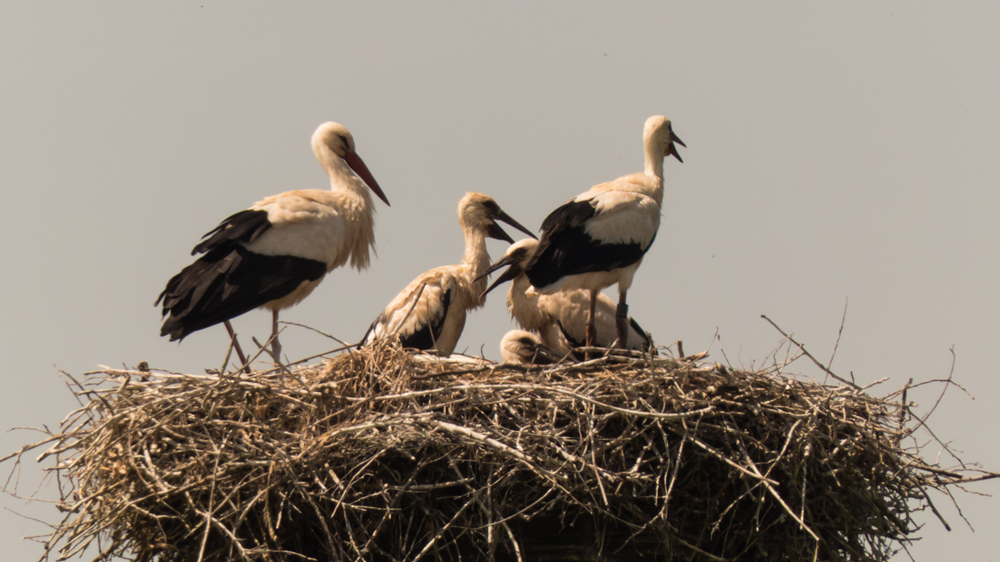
(512, 272)
(507, 219)
(358, 165)
(497, 233)
(506, 260)
(673, 149)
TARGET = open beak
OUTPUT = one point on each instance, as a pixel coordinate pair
(497, 233)
(673, 149)
(358, 165)
(513, 271)
(507, 219)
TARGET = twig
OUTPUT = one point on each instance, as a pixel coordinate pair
(809, 355)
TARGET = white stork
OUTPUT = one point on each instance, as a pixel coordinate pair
(524, 348)
(429, 314)
(275, 253)
(560, 318)
(599, 237)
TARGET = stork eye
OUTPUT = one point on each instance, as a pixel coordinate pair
(347, 145)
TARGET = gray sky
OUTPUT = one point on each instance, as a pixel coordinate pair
(837, 152)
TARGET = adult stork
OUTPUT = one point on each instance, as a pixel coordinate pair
(560, 319)
(429, 314)
(521, 347)
(599, 237)
(275, 253)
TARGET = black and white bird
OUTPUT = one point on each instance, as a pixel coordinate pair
(560, 318)
(429, 314)
(524, 348)
(275, 253)
(599, 237)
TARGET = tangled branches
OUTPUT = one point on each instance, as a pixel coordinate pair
(379, 455)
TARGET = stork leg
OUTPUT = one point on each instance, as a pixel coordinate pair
(621, 321)
(275, 346)
(591, 330)
(236, 343)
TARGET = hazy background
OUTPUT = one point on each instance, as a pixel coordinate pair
(837, 152)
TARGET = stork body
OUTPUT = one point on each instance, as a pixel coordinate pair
(599, 237)
(275, 253)
(560, 318)
(524, 348)
(429, 314)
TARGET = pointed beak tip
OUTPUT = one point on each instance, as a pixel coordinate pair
(510, 220)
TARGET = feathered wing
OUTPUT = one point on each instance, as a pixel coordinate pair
(417, 315)
(227, 282)
(244, 226)
(229, 279)
(597, 231)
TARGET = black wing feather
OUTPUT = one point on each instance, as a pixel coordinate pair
(645, 334)
(244, 226)
(228, 281)
(423, 338)
(566, 249)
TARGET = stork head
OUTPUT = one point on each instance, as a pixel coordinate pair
(338, 140)
(659, 135)
(481, 212)
(516, 259)
(524, 348)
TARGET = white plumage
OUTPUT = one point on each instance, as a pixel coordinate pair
(559, 318)
(275, 253)
(429, 313)
(524, 348)
(599, 237)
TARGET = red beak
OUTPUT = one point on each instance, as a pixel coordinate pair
(358, 165)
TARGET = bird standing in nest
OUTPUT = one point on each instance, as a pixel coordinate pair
(275, 253)
(429, 314)
(599, 237)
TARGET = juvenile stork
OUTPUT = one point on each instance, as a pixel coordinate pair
(599, 237)
(560, 318)
(275, 253)
(429, 314)
(524, 348)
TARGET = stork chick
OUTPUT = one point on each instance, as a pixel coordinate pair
(275, 253)
(561, 317)
(599, 237)
(429, 314)
(524, 348)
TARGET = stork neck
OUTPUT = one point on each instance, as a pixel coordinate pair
(654, 169)
(524, 307)
(475, 251)
(654, 162)
(475, 260)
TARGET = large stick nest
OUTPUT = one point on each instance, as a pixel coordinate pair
(379, 455)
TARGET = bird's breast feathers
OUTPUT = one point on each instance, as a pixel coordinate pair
(316, 224)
